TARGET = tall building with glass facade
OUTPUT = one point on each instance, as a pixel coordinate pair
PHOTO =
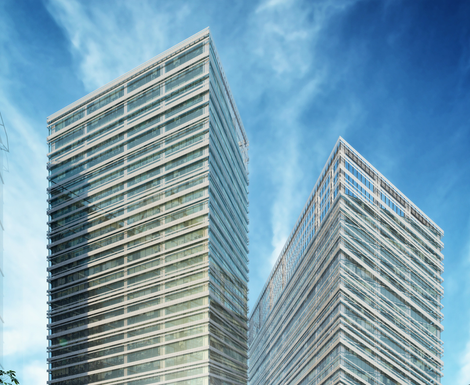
(148, 242)
(355, 296)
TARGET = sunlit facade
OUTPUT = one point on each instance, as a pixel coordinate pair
(148, 246)
(355, 296)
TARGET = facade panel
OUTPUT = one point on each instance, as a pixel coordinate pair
(148, 228)
(355, 296)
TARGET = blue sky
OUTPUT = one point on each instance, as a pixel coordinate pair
(392, 77)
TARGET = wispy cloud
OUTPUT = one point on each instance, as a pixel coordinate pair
(110, 38)
(35, 373)
(24, 220)
(464, 372)
(285, 169)
(25, 246)
(272, 4)
(286, 40)
(279, 38)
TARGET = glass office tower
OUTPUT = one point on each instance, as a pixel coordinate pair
(355, 296)
(148, 228)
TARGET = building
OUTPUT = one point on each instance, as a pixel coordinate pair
(148, 228)
(355, 296)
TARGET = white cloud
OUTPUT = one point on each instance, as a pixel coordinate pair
(110, 38)
(464, 372)
(24, 284)
(272, 4)
(35, 373)
(24, 240)
(285, 170)
(283, 35)
(281, 54)
(286, 40)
